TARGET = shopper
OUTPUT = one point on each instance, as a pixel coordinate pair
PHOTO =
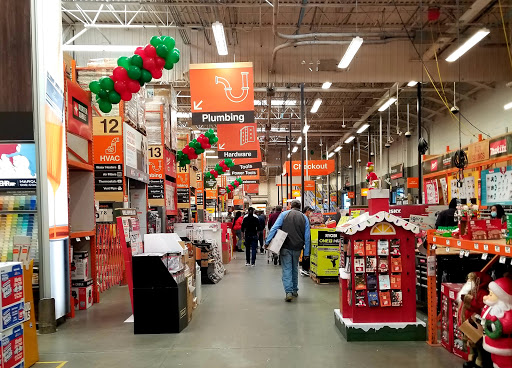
(263, 222)
(237, 229)
(273, 217)
(305, 259)
(447, 217)
(250, 228)
(296, 225)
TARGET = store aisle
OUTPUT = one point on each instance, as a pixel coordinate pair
(242, 322)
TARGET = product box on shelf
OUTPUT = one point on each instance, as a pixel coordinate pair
(80, 265)
(12, 346)
(82, 293)
(13, 315)
(11, 274)
(452, 339)
(480, 229)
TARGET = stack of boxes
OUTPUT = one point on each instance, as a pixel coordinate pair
(12, 306)
(81, 283)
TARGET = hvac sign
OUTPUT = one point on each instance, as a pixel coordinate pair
(313, 167)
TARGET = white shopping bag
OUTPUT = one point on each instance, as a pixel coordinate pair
(277, 241)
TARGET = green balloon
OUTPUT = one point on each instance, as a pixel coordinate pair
(105, 106)
(136, 60)
(103, 94)
(146, 76)
(169, 42)
(134, 72)
(198, 151)
(114, 97)
(107, 83)
(155, 41)
(162, 51)
(95, 87)
(174, 56)
(228, 191)
(141, 82)
(124, 62)
(168, 64)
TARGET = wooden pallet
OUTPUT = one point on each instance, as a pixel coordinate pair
(323, 280)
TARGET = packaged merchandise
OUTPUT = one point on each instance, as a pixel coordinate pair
(82, 294)
(360, 298)
(396, 281)
(385, 299)
(80, 265)
(371, 264)
(383, 264)
(396, 264)
(371, 247)
(12, 348)
(395, 247)
(384, 283)
(373, 299)
(396, 298)
(359, 248)
(383, 248)
(359, 265)
(360, 282)
(371, 281)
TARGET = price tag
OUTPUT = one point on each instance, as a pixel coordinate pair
(447, 241)
(507, 249)
(459, 243)
(466, 253)
(497, 248)
(447, 249)
(484, 256)
(461, 253)
(433, 247)
(486, 247)
(434, 239)
(475, 245)
(87, 238)
(78, 240)
(503, 259)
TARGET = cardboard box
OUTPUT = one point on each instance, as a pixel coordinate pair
(82, 293)
(12, 346)
(11, 276)
(80, 265)
(190, 297)
(13, 315)
(472, 333)
(225, 256)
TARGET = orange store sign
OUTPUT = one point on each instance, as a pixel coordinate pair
(412, 183)
(314, 167)
(309, 185)
(364, 192)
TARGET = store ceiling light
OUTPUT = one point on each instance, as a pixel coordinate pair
(326, 85)
(508, 106)
(351, 52)
(215, 157)
(295, 149)
(184, 115)
(299, 141)
(220, 38)
(412, 84)
(316, 105)
(196, 131)
(209, 151)
(330, 155)
(99, 48)
(305, 129)
(338, 149)
(473, 40)
(362, 128)
(386, 104)
(289, 155)
(349, 139)
(275, 102)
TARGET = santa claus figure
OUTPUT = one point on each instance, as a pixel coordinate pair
(471, 302)
(371, 178)
(497, 322)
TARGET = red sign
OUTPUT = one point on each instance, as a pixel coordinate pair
(351, 195)
(498, 147)
(433, 165)
(170, 163)
(79, 110)
(239, 142)
(222, 191)
(309, 185)
(314, 167)
(252, 188)
(412, 183)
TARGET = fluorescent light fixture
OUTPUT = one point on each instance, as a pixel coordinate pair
(330, 155)
(349, 139)
(508, 106)
(209, 151)
(306, 128)
(473, 40)
(183, 115)
(211, 157)
(337, 149)
(412, 84)
(289, 155)
(99, 48)
(295, 149)
(275, 102)
(220, 38)
(351, 52)
(316, 105)
(299, 141)
(196, 131)
(362, 128)
(326, 85)
(386, 104)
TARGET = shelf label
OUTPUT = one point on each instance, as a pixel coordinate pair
(447, 249)
(78, 240)
(434, 239)
(87, 238)
(466, 253)
(507, 249)
(461, 253)
(497, 248)
(486, 247)
(476, 246)
(433, 247)
(447, 241)
(503, 259)
(459, 243)
(484, 256)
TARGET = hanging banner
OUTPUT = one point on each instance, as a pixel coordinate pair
(309, 185)
(183, 187)
(170, 163)
(413, 183)
(239, 143)
(79, 110)
(135, 154)
(251, 188)
(171, 198)
(314, 167)
(431, 192)
(156, 175)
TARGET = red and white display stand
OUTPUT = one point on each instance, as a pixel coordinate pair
(378, 279)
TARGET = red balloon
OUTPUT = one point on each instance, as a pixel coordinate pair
(156, 73)
(160, 62)
(126, 96)
(187, 150)
(192, 155)
(221, 162)
(231, 187)
(236, 184)
(133, 86)
(140, 51)
(205, 145)
(150, 50)
(121, 87)
(225, 167)
(214, 173)
(119, 74)
(149, 64)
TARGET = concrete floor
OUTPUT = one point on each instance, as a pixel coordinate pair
(242, 322)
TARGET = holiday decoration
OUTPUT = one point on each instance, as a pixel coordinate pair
(133, 72)
(197, 146)
(221, 168)
(233, 185)
(471, 302)
(497, 322)
(371, 178)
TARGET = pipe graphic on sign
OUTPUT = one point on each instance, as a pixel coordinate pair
(228, 89)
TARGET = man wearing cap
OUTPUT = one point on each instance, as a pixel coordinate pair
(296, 225)
(497, 322)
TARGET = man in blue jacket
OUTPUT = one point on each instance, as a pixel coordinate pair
(296, 225)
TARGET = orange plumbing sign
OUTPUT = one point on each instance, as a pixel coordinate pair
(222, 93)
(314, 167)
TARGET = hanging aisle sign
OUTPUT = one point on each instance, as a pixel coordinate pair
(156, 175)
(314, 167)
(135, 154)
